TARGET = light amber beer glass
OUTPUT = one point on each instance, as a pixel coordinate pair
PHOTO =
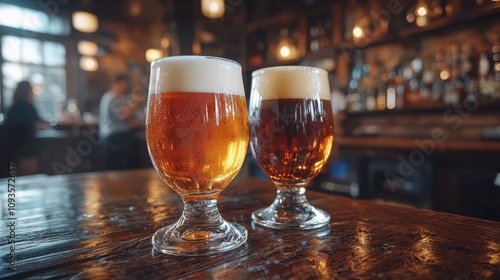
(291, 136)
(197, 136)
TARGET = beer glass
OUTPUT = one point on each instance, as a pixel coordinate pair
(197, 137)
(291, 136)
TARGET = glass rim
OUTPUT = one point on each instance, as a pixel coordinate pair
(199, 57)
(290, 67)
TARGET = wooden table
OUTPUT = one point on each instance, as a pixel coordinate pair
(99, 226)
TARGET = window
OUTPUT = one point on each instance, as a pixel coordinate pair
(40, 62)
(29, 58)
(32, 20)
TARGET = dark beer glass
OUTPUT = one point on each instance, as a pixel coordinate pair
(291, 136)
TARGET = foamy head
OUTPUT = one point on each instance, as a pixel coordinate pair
(196, 74)
(291, 82)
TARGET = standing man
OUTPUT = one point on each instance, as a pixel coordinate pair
(115, 121)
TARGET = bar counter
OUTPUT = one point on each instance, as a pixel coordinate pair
(99, 226)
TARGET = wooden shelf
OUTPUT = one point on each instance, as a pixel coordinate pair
(278, 19)
(432, 107)
(462, 17)
(409, 144)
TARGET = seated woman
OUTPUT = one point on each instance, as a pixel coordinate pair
(20, 124)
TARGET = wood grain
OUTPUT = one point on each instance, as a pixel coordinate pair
(99, 225)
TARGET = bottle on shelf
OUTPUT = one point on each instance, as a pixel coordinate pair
(427, 79)
(381, 94)
(496, 67)
(354, 98)
(400, 87)
(441, 74)
(486, 89)
(338, 96)
(467, 62)
(362, 93)
(414, 74)
(454, 87)
(320, 30)
(371, 94)
(468, 73)
(390, 97)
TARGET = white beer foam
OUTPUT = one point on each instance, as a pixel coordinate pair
(291, 82)
(196, 74)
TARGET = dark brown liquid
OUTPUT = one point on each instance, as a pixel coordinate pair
(291, 139)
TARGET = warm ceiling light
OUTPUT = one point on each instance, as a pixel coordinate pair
(286, 50)
(152, 54)
(85, 22)
(212, 8)
(421, 11)
(357, 32)
(87, 48)
(88, 63)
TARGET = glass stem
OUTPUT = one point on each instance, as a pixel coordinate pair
(291, 199)
(200, 215)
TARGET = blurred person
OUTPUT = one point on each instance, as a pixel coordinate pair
(116, 119)
(20, 124)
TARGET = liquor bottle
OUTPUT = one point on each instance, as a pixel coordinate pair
(484, 71)
(371, 92)
(427, 79)
(390, 97)
(496, 68)
(410, 71)
(467, 62)
(440, 75)
(380, 82)
(416, 72)
(362, 91)
(381, 96)
(354, 101)
(468, 72)
(338, 97)
(400, 87)
(471, 90)
(314, 44)
(454, 87)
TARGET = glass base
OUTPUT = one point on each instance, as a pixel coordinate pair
(291, 210)
(200, 231)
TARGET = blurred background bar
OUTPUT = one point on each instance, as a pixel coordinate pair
(415, 86)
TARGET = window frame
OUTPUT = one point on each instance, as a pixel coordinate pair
(66, 41)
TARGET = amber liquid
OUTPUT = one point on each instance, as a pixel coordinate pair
(291, 139)
(197, 141)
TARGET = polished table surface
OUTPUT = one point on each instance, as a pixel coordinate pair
(99, 226)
